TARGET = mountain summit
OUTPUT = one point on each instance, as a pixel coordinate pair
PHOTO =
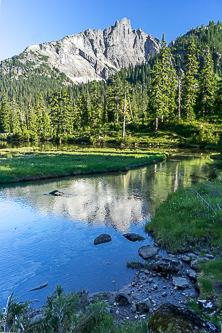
(92, 54)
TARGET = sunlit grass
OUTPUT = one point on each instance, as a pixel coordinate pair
(30, 164)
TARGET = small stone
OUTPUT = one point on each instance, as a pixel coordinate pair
(180, 282)
(186, 258)
(164, 294)
(192, 274)
(155, 286)
(133, 308)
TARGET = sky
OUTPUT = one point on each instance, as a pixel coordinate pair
(27, 22)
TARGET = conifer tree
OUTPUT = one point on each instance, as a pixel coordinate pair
(5, 126)
(114, 97)
(96, 110)
(156, 101)
(16, 120)
(32, 124)
(189, 84)
(207, 86)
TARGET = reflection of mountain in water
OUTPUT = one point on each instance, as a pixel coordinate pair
(117, 200)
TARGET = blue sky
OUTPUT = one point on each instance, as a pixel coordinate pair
(28, 22)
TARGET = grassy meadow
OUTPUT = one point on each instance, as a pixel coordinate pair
(23, 164)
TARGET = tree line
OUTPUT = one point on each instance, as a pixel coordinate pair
(157, 95)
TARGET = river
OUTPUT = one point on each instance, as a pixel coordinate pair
(46, 238)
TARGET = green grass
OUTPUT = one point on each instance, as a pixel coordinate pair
(186, 221)
(30, 164)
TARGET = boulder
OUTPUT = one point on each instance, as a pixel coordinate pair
(133, 237)
(103, 238)
(171, 318)
(147, 252)
(122, 298)
(167, 265)
(180, 282)
(143, 306)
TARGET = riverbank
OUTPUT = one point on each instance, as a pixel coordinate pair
(189, 221)
(23, 164)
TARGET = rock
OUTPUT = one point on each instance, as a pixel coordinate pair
(103, 238)
(164, 294)
(122, 298)
(147, 252)
(56, 193)
(133, 237)
(143, 306)
(171, 318)
(180, 282)
(186, 258)
(168, 265)
(192, 274)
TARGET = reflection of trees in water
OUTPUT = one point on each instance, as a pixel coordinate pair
(116, 200)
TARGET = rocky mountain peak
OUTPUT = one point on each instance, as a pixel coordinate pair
(94, 54)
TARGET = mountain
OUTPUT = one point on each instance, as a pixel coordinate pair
(89, 55)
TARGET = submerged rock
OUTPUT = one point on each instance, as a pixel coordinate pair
(171, 318)
(133, 237)
(147, 252)
(56, 193)
(103, 238)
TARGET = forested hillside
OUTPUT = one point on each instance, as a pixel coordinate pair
(178, 91)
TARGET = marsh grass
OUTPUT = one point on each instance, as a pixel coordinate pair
(30, 164)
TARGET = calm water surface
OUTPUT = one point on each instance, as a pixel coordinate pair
(46, 238)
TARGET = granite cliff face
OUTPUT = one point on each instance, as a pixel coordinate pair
(91, 55)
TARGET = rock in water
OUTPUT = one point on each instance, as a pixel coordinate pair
(171, 318)
(103, 238)
(147, 252)
(56, 193)
(133, 237)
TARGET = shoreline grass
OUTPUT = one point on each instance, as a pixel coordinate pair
(191, 219)
(31, 164)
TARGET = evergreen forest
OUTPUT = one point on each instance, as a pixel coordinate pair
(176, 96)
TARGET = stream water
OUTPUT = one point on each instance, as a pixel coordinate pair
(46, 238)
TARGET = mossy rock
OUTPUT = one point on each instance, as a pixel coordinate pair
(169, 318)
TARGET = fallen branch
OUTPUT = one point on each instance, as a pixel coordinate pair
(205, 201)
(218, 205)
